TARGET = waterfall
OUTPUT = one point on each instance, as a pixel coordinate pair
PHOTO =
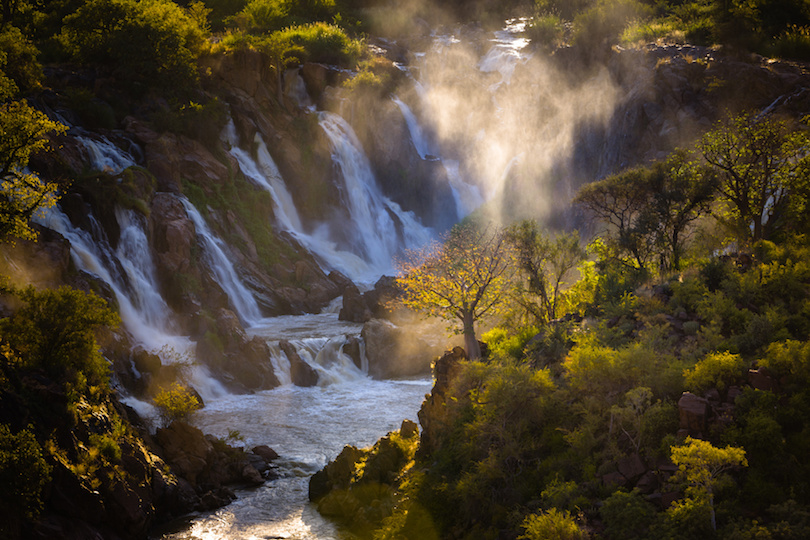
(381, 228)
(372, 214)
(104, 156)
(241, 299)
(418, 138)
(129, 272)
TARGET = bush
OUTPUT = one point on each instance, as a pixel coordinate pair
(316, 42)
(273, 15)
(627, 515)
(20, 56)
(203, 122)
(153, 43)
(552, 525)
(176, 403)
(717, 370)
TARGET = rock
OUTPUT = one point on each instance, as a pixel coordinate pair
(354, 307)
(337, 474)
(146, 362)
(265, 452)
(760, 380)
(352, 349)
(693, 412)
(186, 449)
(393, 352)
(408, 429)
(301, 373)
(614, 479)
(631, 467)
(432, 414)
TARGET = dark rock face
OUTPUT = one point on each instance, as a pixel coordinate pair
(301, 373)
(432, 414)
(375, 303)
(204, 461)
(241, 362)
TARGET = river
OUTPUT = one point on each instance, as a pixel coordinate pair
(306, 426)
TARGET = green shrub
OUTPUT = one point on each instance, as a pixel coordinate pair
(152, 43)
(315, 42)
(176, 403)
(717, 370)
(600, 26)
(20, 56)
(546, 29)
(793, 43)
(273, 15)
(552, 525)
(627, 515)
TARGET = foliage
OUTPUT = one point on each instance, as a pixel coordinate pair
(151, 43)
(650, 209)
(176, 403)
(24, 473)
(465, 278)
(273, 15)
(18, 58)
(717, 370)
(599, 26)
(546, 264)
(552, 525)
(23, 132)
(627, 515)
(763, 173)
(700, 465)
(54, 331)
(314, 42)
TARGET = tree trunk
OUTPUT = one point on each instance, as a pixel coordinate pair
(470, 341)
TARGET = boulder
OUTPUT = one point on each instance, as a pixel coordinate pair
(265, 452)
(693, 413)
(301, 373)
(186, 449)
(408, 429)
(631, 467)
(352, 349)
(354, 307)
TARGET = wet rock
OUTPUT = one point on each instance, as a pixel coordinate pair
(186, 449)
(352, 349)
(301, 373)
(354, 307)
(265, 452)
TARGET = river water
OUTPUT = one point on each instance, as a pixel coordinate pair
(308, 427)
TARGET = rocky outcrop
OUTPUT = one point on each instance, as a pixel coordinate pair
(379, 302)
(241, 362)
(433, 413)
(206, 462)
(301, 373)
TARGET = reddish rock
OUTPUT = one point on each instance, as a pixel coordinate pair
(631, 467)
(760, 380)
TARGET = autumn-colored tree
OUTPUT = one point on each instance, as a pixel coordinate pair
(700, 465)
(464, 278)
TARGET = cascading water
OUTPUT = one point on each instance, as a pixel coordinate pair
(382, 228)
(241, 299)
(104, 155)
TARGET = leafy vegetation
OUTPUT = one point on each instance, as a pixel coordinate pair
(176, 402)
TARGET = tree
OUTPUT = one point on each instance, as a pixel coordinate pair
(24, 473)
(465, 278)
(700, 465)
(55, 331)
(651, 208)
(763, 171)
(23, 132)
(545, 264)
